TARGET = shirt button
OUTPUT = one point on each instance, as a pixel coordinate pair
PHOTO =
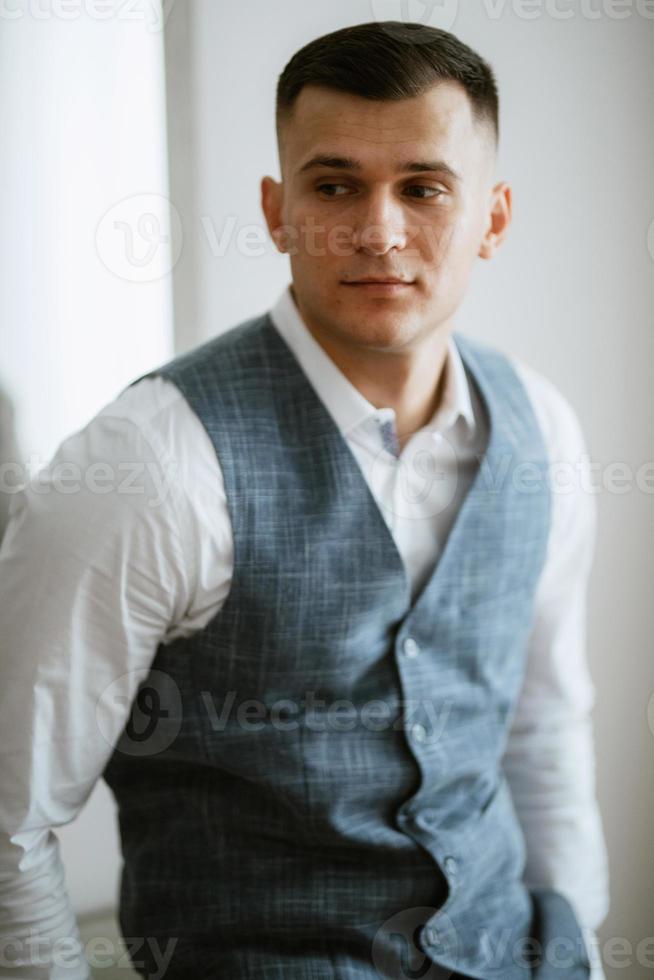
(419, 732)
(426, 818)
(410, 647)
(450, 864)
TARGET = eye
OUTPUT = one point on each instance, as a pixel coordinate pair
(425, 193)
(322, 187)
(436, 191)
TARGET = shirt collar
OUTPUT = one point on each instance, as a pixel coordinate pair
(347, 406)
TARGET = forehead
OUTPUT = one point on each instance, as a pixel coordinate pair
(376, 132)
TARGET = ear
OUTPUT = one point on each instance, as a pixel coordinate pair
(272, 194)
(499, 219)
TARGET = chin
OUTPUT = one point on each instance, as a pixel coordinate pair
(383, 331)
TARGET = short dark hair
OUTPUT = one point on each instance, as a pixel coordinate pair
(389, 60)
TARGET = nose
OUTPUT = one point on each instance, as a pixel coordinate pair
(380, 225)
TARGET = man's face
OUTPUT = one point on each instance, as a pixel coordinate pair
(379, 215)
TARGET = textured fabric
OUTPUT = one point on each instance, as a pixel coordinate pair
(317, 790)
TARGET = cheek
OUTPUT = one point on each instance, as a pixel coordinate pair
(449, 237)
(317, 236)
(434, 239)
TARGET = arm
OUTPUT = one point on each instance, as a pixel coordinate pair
(90, 582)
(550, 756)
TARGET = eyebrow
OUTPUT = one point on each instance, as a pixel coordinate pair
(349, 163)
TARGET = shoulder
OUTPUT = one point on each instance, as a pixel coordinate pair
(153, 418)
(139, 453)
(219, 355)
(139, 425)
(151, 404)
(558, 419)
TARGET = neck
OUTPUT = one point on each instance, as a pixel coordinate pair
(410, 381)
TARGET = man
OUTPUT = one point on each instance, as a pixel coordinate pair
(334, 674)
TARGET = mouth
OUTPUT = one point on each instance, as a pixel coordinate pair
(385, 287)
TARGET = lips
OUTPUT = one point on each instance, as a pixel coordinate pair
(380, 288)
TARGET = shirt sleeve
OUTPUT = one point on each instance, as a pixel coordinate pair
(93, 573)
(550, 760)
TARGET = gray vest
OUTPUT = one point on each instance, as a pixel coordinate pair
(310, 786)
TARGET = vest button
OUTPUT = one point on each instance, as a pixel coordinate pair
(410, 647)
(419, 732)
(450, 864)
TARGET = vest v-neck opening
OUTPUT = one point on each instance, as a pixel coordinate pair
(473, 373)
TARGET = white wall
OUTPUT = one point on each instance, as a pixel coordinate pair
(82, 116)
(572, 291)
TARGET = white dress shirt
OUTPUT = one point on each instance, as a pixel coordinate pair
(124, 541)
